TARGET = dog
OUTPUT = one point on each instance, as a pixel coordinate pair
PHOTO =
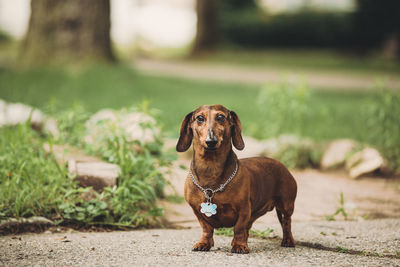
(224, 191)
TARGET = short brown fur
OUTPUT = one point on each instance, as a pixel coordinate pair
(260, 184)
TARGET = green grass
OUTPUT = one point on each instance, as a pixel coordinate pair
(32, 183)
(253, 232)
(119, 86)
(303, 59)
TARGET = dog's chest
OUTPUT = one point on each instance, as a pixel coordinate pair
(226, 215)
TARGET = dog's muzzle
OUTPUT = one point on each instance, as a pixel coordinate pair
(211, 141)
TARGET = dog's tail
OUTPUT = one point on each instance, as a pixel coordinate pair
(279, 215)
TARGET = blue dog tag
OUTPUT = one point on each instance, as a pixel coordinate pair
(208, 209)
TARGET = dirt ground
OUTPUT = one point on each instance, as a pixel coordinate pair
(318, 195)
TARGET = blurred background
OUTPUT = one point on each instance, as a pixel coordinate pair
(339, 49)
(301, 72)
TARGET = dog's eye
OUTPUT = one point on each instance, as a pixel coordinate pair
(220, 118)
(200, 119)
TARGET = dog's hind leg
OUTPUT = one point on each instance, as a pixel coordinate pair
(286, 223)
(279, 214)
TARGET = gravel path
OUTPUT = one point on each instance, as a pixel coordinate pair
(170, 248)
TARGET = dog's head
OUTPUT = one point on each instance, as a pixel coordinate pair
(210, 127)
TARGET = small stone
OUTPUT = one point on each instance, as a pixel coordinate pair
(364, 162)
(253, 148)
(137, 125)
(50, 126)
(336, 153)
(95, 174)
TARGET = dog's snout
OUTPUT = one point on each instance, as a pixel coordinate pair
(211, 141)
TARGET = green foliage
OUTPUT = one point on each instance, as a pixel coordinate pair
(133, 201)
(342, 249)
(340, 210)
(261, 234)
(283, 108)
(253, 233)
(224, 231)
(383, 125)
(31, 182)
(116, 87)
(300, 153)
(139, 161)
(397, 254)
(70, 123)
(256, 29)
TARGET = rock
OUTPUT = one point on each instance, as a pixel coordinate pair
(95, 174)
(364, 162)
(253, 148)
(88, 170)
(17, 113)
(3, 118)
(14, 224)
(336, 153)
(65, 153)
(50, 127)
(273, 146)
(293, 151)
(136, 125)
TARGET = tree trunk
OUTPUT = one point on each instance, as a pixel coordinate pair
(206, 36)
(67, 31)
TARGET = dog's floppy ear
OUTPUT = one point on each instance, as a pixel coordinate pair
(186, 134)
(236, 131)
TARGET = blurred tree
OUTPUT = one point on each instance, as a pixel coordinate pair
(209, 13)
(67, 31)
(377, 23)
(206, 35)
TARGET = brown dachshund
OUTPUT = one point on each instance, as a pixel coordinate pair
(256, 185)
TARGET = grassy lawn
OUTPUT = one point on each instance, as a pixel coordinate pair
(119, 86)
(303, 59)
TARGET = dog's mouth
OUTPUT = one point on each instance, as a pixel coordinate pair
(210, 148)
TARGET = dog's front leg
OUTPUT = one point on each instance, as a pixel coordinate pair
(206, 240)
(241, 233)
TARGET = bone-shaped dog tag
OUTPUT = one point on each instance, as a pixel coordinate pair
(208, 209)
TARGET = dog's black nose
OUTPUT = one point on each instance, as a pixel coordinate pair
(211, 143)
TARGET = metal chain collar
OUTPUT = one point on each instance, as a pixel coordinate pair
(208, 192)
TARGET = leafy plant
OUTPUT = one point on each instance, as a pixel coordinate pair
(397, 254)
(31, 181)
(298, 153)
(340, 210)
(342, 249)
(254, 233)
(70, 123)
(224, 231)
(283, 108)
(261, 234)
(143, 165)
(383, 127)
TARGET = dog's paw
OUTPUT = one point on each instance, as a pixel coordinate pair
(201, 247)
(288, 243)
(240, 249)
